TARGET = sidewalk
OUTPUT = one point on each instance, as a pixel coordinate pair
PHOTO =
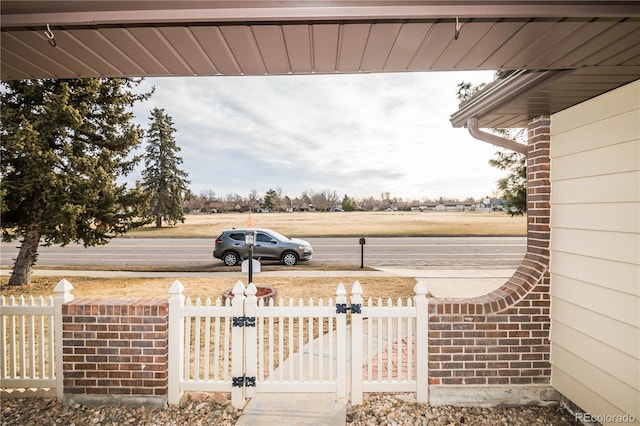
(457, 283)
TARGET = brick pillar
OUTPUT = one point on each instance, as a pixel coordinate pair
(500, 341)
(115, 351)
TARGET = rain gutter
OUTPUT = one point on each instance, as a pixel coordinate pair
(474, 130)
(497, 95)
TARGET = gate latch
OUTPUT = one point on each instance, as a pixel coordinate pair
(244, 321)
(342, 308)
(240, 381)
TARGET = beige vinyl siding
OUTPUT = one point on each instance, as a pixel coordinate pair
(595, 253)
(595, 189)
(597, 271)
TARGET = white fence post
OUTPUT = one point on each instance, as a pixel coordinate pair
(356, 344)
(251, 344)
(237, 346)
(341, 344)
(422, 342)
(176, 342)
(63, 295)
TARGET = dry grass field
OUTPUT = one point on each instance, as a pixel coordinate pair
(336, 224)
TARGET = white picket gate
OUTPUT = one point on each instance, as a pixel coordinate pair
(246, 347)
(30, 349)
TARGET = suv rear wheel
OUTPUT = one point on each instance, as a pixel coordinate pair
(231, 258)
(289, 258)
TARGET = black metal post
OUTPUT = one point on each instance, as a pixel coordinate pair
(250, 264)
(362, 242)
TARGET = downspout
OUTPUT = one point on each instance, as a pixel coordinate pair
(474, 130)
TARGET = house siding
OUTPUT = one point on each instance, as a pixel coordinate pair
(595, 254)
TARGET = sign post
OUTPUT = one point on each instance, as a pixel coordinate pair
(250, 240)
(362, 243)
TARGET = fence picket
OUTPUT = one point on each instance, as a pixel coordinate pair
(237, 346)
(176, 339)
(332, 349)
(422, 342)
(310, 335)
(12, 341)
(197, 341)
(250, 340)
(300, 342)
(341, 344)
(52, 346)
(187, 343)
(207, 342)
(356, 344)
(216, 345)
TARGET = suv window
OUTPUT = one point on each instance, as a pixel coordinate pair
(264, 238)
(238, 236)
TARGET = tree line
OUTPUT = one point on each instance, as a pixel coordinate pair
(327, 200)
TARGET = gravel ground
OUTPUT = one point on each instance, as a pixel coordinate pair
(389, 409)
(215, 409)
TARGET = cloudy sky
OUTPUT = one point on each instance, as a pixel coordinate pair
(359, 135)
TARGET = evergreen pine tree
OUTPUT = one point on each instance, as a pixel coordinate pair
(164, 181)
(65, 143)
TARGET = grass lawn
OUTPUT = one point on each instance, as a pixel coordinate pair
(295, 288)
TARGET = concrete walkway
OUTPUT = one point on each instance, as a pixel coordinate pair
(284, 409)
(457, 283)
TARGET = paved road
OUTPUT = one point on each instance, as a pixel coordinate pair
(414, 252)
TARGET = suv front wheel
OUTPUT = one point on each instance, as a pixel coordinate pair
(231, 258)
(289, 258)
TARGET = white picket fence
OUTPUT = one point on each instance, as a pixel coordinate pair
(246, 347)
(30, 356)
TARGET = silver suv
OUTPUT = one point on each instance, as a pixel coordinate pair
(231, 247)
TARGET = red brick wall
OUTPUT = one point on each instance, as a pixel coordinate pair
(115, 347)
(503, 337)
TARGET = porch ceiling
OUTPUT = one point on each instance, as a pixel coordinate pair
(598, 41)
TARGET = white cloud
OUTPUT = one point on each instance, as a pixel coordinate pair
(354, 134)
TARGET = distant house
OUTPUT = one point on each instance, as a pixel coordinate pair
(213, 206)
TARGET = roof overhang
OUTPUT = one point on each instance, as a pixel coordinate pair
(513, 101)
(568, 50)
(21, 13)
